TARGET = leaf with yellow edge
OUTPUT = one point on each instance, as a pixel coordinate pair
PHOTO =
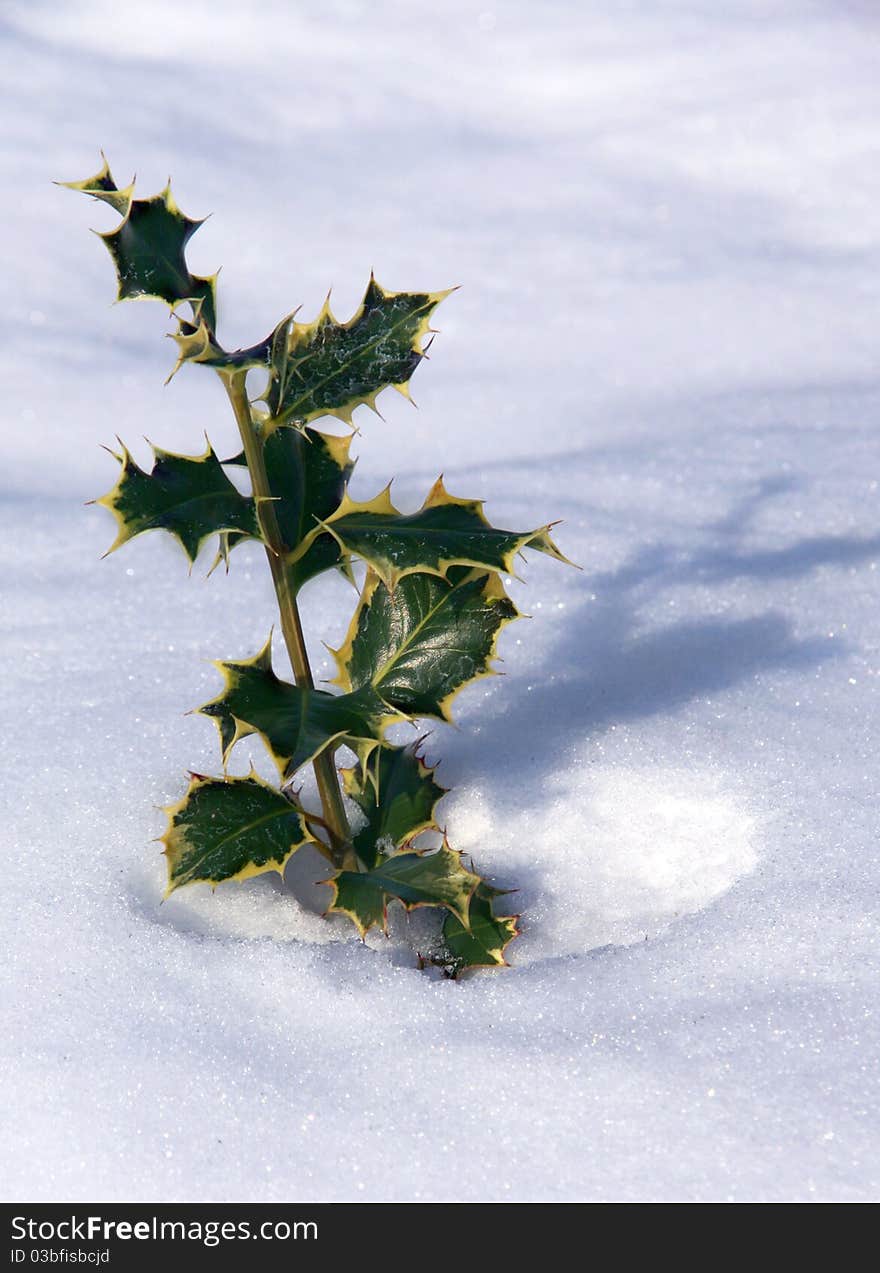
(483, 943)
(295, 724)
(230, 829)
(397, 801)
(445, 532)
(149, 245)
(435, 878)
(329, 368)
(187, 495)
(420, 644)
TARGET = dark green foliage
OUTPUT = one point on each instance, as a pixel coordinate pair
(397, 801)
(415, 879)
(329, 368)
(445, 532)
(482, 942)
(148, 250)
(230, 829)
(422, 643)
(188, 495)
(426, 625)
(148, 247)
(295, 723)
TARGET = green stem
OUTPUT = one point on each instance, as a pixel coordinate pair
(325, 770)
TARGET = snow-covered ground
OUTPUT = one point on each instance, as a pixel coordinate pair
(664, 219)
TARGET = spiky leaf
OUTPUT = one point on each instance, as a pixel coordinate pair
(420, 644)
(397, 801)
(415, 879)
(188, 495)
(444, 532)
(328, 368)
(483, 943)
(230, 829)
(295, 724)
(149, 247)
(308, 472)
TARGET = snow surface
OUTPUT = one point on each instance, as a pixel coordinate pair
(664, 220)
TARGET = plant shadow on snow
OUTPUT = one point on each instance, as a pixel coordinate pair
(609, 669)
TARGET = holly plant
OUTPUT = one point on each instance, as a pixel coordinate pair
(430, 609)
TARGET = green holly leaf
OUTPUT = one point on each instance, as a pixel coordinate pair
(435, 878)
(444, 532)
(188, 495)
(328, 368)
(482, 944)
(397, 801)
(308, 472)
(295, 724)
(149, 247)
(419, 645)
(230, 829)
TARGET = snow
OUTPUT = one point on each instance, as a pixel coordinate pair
(664, 221)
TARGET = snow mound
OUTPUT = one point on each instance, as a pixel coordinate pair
(614, 858)
(267, 907)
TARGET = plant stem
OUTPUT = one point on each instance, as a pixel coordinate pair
(335, 818)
